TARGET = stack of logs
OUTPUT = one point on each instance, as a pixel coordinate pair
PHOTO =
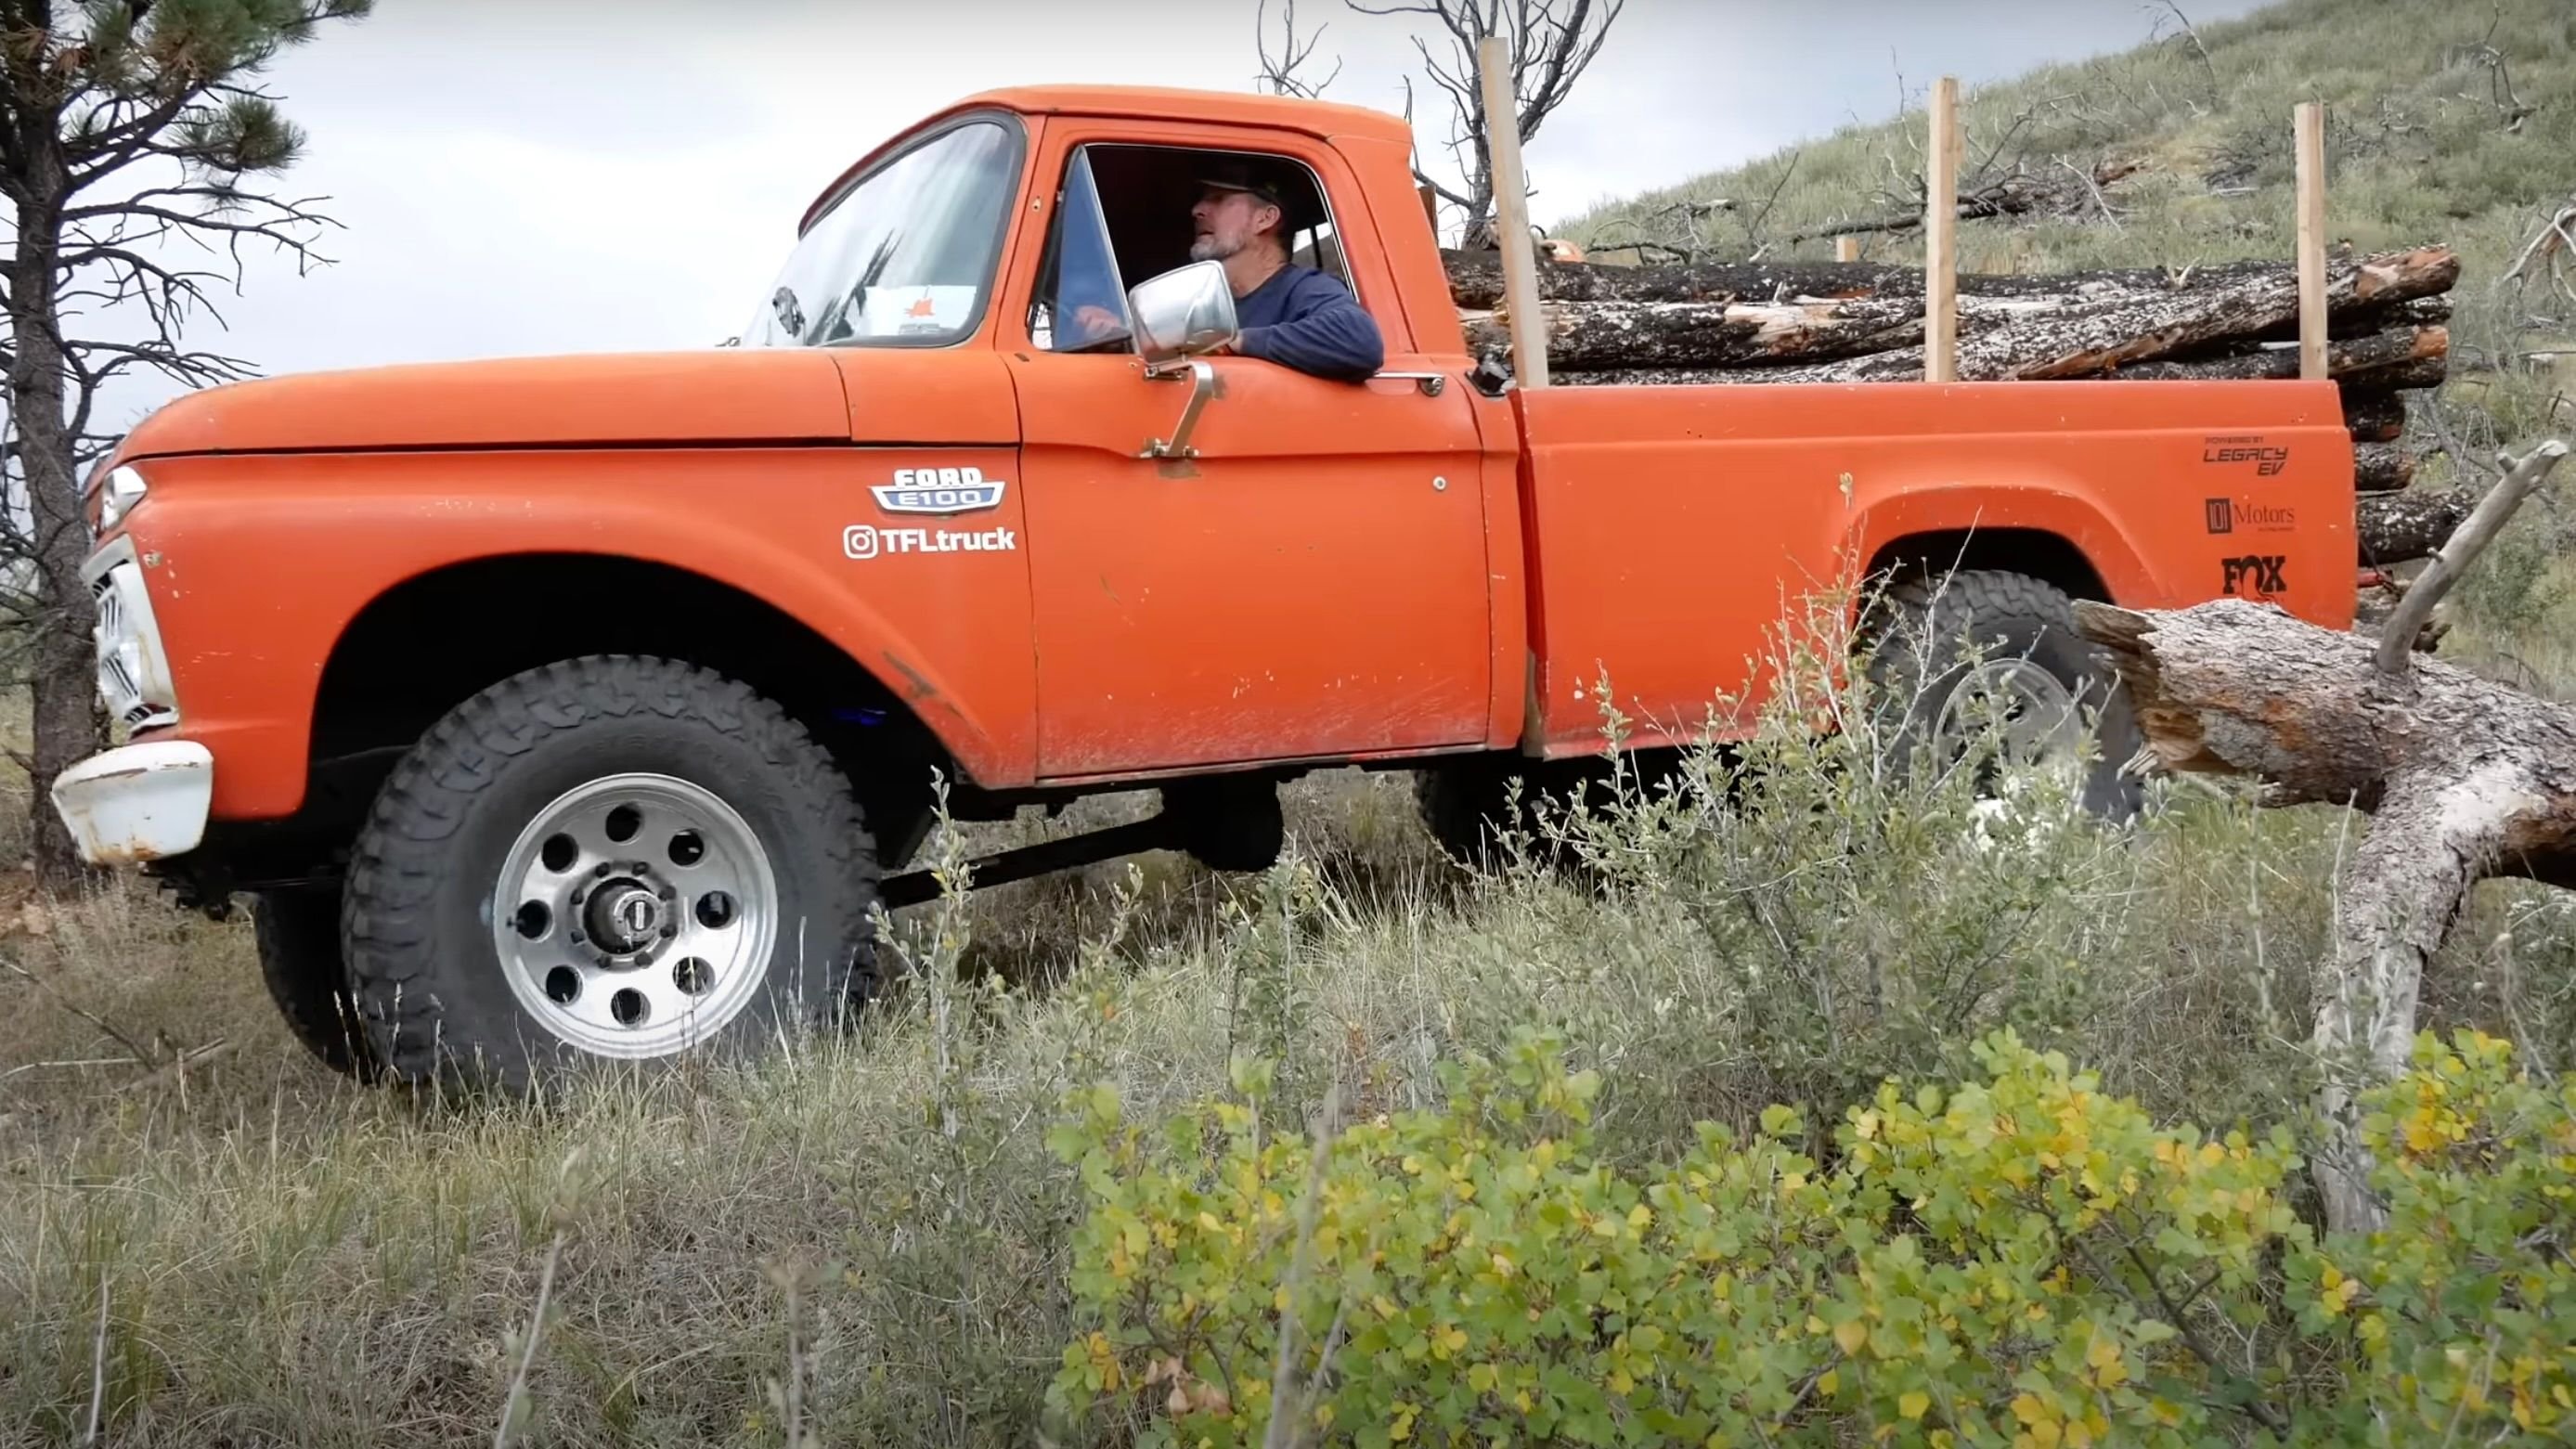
(1769, 322)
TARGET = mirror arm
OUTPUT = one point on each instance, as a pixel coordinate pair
(1203, 385)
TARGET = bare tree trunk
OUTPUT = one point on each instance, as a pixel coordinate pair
(65, 712)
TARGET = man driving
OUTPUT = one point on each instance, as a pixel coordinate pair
(1295, 316)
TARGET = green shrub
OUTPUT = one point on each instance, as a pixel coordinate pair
(2020, 1260)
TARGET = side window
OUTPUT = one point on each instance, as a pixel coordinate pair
(1125, 216)
(906, 256)
(1081, 300)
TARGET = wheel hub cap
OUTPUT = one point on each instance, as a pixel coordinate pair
(2033, 715)
(626, 917)
(635, 915)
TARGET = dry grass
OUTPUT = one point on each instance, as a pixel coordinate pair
(286, 1259)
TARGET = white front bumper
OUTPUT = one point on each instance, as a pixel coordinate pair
(141, 802)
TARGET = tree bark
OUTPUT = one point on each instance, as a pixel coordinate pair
(2027, 337)
(2390, 361)
(1476, 281)
(2381, 467)
(63, 686)
(2373, 417)
(2387, 361)
(2395, 527)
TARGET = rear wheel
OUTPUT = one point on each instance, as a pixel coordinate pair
(609, 859)
(2032, 680)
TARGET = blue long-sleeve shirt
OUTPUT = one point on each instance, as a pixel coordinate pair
(1308, 320)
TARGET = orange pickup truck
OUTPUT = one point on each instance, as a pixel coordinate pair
(547, 710)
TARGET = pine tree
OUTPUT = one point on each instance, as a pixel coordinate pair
(134, 135)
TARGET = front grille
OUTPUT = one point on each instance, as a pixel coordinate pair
(123, 635)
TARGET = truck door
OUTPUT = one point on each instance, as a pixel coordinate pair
(1312, 582)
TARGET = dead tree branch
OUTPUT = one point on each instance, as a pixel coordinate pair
(1552, 43)
(1279, 69)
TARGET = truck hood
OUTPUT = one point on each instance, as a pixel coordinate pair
(720, 395)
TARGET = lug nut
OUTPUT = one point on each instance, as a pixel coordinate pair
(579, 893)
(669, 894)
(579, 939)
(600, 870)
(670, 931)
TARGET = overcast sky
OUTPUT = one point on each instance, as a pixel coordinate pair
(534, 176)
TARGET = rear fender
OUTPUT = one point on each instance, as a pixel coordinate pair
(2037, 506)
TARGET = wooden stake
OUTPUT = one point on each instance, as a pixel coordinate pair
(1846, 248)
(2311, 135)
(1511, 215)
(1941, 238)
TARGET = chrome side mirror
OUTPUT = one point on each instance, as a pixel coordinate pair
(1183, 313)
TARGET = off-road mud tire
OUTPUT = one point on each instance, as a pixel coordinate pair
(298, 935)
(2010, 615)
(416, 921)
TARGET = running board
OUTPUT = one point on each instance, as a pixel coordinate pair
(1159, 832)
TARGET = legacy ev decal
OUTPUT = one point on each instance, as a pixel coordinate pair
(2260, 573)
(861, 540)
(2268, 459)
(2225, 515)
(939, 490)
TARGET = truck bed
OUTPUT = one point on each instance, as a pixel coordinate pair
(1671, 530)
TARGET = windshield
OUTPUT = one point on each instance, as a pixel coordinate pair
(905, 257)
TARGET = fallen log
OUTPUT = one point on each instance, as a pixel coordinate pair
(1592, 336)
(2107, 338)
(2374, 417)
(2465, 779)
(2381, 467)
(2395, 527)
(1476, 281)
(2397, 360)
(2018, 338)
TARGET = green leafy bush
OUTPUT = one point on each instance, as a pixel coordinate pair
(2021, 1259)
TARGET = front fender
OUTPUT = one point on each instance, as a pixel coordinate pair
(944, 629)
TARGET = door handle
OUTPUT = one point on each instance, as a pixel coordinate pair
(1430, 382)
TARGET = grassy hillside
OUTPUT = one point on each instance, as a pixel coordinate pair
(2451, 124)
(251, 1251)
(2418, 148)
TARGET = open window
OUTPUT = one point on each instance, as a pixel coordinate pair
(1124, 215)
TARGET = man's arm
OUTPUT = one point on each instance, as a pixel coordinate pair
(1325, 333)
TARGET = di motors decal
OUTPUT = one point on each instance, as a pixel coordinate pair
(945, 491)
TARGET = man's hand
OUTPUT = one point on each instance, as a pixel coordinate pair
(1093, 321)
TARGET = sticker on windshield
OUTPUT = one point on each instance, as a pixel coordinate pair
(939, 490)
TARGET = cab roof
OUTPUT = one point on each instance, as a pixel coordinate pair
(1147, 103)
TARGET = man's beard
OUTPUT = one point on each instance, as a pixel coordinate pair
(1213, 249)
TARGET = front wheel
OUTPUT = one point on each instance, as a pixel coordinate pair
(2033, 680)
(607, 859)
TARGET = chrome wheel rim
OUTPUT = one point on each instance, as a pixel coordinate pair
(634, 915)
(2033, 717)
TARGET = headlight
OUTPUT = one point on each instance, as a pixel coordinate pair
(125, 488)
